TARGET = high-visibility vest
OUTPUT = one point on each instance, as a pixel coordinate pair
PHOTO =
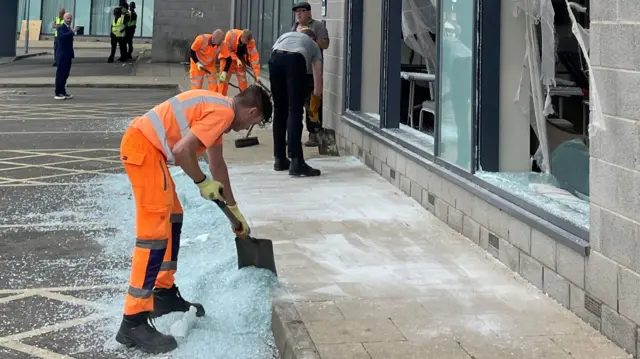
(132, 21)
(206, 53)
(231, 42)
(58, 21)
(117, 26)
(168, 122)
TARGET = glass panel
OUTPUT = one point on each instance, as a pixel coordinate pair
(147, 18)
(456, 80)
(82, 15)
(286, 16)
(266, 36)
(254, 16)
(50, 11)
(372, 18)
(244, 18)
(101, 16)
(21, 14)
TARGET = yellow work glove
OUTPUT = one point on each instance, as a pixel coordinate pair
(223, 76)
(245, 230)
(239, 62)
(211, 190)
(200, 66)
(314, 109)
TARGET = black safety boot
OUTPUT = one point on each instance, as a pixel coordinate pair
(312, 141)
(169, 300)
(281, 164)
(138, 331)
(299, 167)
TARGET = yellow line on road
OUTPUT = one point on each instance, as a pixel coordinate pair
(33, 351)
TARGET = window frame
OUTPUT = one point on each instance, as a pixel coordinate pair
(485, 130)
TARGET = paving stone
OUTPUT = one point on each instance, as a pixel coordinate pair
(310, 311)
(342, 351)
(407, 350)
(353, 331)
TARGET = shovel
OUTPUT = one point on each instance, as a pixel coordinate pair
(252, 252)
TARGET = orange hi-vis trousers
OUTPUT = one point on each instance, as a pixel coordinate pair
(197, 77)
(158, 221)
(241, 75)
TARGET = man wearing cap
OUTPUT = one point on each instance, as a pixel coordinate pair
(304, 20)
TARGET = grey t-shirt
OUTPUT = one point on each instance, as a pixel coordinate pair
(300, 43)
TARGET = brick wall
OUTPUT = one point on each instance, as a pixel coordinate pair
(333, 84)
(613, 271)
(177, 23)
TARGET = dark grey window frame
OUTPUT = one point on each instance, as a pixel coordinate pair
(486, 124)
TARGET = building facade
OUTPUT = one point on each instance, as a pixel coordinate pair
(542, 174)
(94, 16)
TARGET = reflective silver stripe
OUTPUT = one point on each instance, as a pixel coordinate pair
(151, 243)
(165, 266)
(139, 293)
(212, 79)
(196, 78)
(176, 218)
(181, 118)
(204, 43)
(205, 99)
(253, 51)
(162, 134)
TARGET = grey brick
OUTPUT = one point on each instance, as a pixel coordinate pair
(628, 10)
(543, 249)
(405, 185)
(498, 222)
(484, 238)
(619, 144)
(412, 169)
(570, 265)
(619, 329)
(425, 202)
(377, 165)
(594, 44)
(556, 286)
(607, 85)
(471, 229)
(531, 270)
(629, 85)
(629, 294)
(442, 210)
(509, 255)
(618, 49)
(455, 219)
(520, 235)
(602, 278)
(604, 10)
(610, 187)
(416, 192)
(577, 306)
(619, 239)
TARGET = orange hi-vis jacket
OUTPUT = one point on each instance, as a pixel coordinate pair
(229, 48)
(206, 53)
(206, 114)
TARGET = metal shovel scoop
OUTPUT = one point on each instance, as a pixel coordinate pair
(251, 251)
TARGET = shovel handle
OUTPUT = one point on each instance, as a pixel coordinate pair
(249, 132)
(237, 225)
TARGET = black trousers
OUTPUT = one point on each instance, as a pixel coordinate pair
(288, 78)
(312, 127)
(62, 74)
(129, 40)
(120, 42)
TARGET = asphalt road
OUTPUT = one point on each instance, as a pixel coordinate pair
(54, 269)
(88, 62)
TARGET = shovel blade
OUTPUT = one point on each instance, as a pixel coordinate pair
(254, 252)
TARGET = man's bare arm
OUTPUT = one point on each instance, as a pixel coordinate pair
(185, 153)
(220, 173)
(316, 67)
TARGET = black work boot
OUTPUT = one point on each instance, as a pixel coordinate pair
(299, 167)
(281, 164)
(169, 300)
(138, 331)
(312, 141)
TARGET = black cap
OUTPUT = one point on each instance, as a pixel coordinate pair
(301, 5)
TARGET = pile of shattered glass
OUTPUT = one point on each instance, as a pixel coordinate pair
(419, 19)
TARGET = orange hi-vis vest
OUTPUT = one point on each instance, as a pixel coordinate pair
(229, 46)
(206, 114)
(207, 54)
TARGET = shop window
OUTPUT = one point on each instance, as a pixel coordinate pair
(146, 17)
(551, 174)
(285, 21)
(456, 74)
(265, 38)
(50, 11)
(370, 68)
(102, 15)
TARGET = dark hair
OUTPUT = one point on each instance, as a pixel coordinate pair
(256, 96)
(309, 33)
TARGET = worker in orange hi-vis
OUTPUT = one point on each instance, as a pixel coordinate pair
(237, 47)
(176, 132)
(204, 55)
